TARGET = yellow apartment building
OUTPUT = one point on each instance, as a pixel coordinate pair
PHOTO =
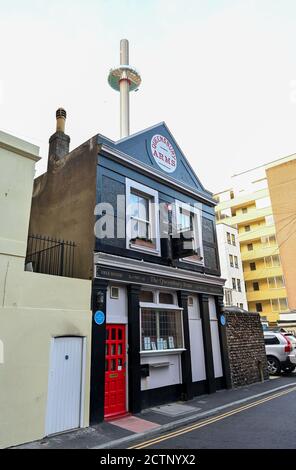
(249, 207)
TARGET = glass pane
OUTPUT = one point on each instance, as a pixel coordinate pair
(119, 349)
(143, 230)
(139, 206)
(283, 304)
(106, 350)
(113, 334)
(268, 262)
(166, 298)
(113, 350)
(134, 205)
(119, 364)
(276, 260)
(120, 333)
(161, 329)
(149, 329)
(146, 296)
(143, 208)
(113, 364)
(271, 283)
(106, 366)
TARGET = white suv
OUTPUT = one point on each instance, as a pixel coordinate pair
(280, 352)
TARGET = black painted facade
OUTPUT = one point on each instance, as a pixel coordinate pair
(132, 158)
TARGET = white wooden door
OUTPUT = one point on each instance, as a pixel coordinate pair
(64, 385)
(215, 339)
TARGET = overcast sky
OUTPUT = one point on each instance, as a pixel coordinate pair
(220, 73)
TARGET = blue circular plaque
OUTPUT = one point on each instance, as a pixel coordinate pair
(223, 320)
(99, 317)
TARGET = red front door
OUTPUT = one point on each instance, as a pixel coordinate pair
(115, 371)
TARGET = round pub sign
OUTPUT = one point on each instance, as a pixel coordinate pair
(163, 153)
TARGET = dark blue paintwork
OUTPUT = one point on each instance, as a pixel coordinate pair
(138, 146)
(111, 177)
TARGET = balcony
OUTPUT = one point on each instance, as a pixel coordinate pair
(242, 200)
(251, 216)
(265, 231)
(259, 253)
(263, 273)
(266, 294)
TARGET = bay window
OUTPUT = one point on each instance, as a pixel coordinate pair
(161, 329)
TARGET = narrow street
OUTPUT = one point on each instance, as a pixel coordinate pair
(266, 423)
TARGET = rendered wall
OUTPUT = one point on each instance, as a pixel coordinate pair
(26, 328)
(33, 307)
(282, 188)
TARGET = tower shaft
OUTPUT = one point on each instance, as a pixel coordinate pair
(124, 91)
(124, 79)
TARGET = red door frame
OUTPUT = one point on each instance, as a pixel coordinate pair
(115, 371)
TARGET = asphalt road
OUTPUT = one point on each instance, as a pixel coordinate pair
(266, 423)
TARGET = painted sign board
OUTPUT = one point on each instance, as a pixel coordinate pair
(163, 153)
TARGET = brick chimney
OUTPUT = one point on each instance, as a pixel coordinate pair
(59, 142)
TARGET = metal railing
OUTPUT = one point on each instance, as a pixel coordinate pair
(49, 255)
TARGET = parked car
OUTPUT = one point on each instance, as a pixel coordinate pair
(291, 337)
(280, 352)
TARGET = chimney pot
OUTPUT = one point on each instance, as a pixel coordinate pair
(59, 142)
(61, 116)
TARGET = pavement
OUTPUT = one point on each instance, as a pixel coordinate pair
(182, 421)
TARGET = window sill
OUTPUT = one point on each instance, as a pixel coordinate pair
(198, 263)
(144, 249)
(162, 351)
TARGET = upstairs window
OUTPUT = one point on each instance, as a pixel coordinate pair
(188, 224)
(228, 238)
(236, 262)
(231, 261)
(140, 214)
(142, 218)
(233, 239)
(259, 307)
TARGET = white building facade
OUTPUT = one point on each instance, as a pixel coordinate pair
(231, 266)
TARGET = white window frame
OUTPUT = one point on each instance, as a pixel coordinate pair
(154, 214)
(112, 296)
(197, 228)
(157, 307)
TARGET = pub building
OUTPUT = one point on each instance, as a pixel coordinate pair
(144, 230)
